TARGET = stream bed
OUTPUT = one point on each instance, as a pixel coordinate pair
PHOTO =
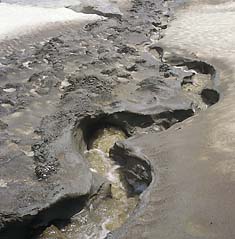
(113, 211)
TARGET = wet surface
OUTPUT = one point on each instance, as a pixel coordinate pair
(49, 85)
(194, 160)
(113, 211)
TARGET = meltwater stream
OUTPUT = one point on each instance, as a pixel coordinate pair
(113, 211)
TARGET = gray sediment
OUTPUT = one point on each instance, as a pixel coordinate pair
(56, 93)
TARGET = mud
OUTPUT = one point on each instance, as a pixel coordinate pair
(56, 92)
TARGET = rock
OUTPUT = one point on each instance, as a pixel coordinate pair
(102, 8)
(52, 232)
(3, 125)
(161, 87)
(132, 67)
(36, 195)
(135, 167)
(101, 194)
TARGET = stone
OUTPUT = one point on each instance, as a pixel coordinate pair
(52, 232)
(102, 8)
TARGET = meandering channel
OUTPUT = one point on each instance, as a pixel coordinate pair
(106, 211)
(112, 211)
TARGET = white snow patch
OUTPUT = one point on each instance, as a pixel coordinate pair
(16, 19)
(3, 184)
(9, 90)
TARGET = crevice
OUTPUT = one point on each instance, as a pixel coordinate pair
(129, 122)
(136, 170)
(210, 96)
(31, 226)
(199, 67)
(198, 79)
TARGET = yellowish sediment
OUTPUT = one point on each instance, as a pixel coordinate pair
(111, 213)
